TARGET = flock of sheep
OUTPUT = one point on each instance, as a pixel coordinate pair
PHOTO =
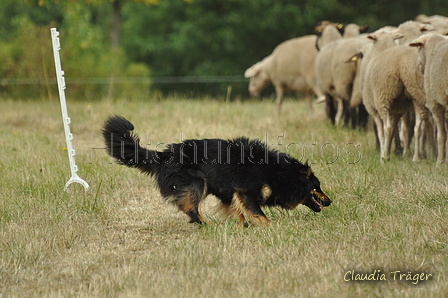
(398, 75)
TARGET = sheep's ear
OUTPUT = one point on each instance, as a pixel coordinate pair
(372, 36)
(252, 71)
(363, 29)
(417, 43)
(397, 35)
(355, 58)
(426, 27)
(341, 28)
(249, 72)
(318, 30)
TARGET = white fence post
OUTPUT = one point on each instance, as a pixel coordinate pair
(65, 118)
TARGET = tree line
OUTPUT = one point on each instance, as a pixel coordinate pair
(153, 43)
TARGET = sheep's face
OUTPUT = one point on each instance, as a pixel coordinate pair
(258, 83)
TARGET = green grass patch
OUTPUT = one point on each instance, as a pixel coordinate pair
(120, 239)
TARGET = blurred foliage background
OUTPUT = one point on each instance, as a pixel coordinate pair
(136, 48)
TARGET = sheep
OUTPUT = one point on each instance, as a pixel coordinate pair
(344, 76)
(382, 41)
(353, 30)
(327, 32)
(411, 30)
(258, 74)
(433, 57)
(334, 76)
(363, 58)
(440, 23)
(290, 67)
(393, 86)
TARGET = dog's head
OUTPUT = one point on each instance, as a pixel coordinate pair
(315, 199)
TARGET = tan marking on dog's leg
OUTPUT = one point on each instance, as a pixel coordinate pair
(266, 191)
(188, 205)
(236, 212)
(241, 221)
(260, 220)
(204, 195)
(239, 207)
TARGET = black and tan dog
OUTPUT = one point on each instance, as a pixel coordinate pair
(243, 174)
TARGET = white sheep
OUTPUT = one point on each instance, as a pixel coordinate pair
(393, 86)
(334, 76)
(353, 30)
(440, 23)
(382, 41)
(290, 67)
(411, 30)
(363, 58)
(433, 56)
(327, 32)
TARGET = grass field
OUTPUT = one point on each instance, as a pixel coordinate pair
(121, 239)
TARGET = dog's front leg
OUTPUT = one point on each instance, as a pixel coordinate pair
(245, 205)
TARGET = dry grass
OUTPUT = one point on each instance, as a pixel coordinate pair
(121, 240)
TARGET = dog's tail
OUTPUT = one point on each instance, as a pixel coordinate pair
(123, 145)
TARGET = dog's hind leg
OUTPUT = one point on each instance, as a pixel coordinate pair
(189, 198)
(246, 206)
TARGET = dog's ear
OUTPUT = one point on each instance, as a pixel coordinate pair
(305, 169)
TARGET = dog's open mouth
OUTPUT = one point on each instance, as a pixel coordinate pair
(320, 200)
(316, 200)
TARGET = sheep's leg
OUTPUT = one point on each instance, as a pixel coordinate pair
(429, 137)
(417, 142)
(379, 130)
(316, 90)
(426, 131)
(309, 100)
(406, 132)
(361, 117)
(397, 139)
(439, 118)
(348, 113)
(339, 111)
(418, 146)
(279, 90)
(330, 108)
(389, 130)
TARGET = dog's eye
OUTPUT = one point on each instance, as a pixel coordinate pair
(174, 187)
